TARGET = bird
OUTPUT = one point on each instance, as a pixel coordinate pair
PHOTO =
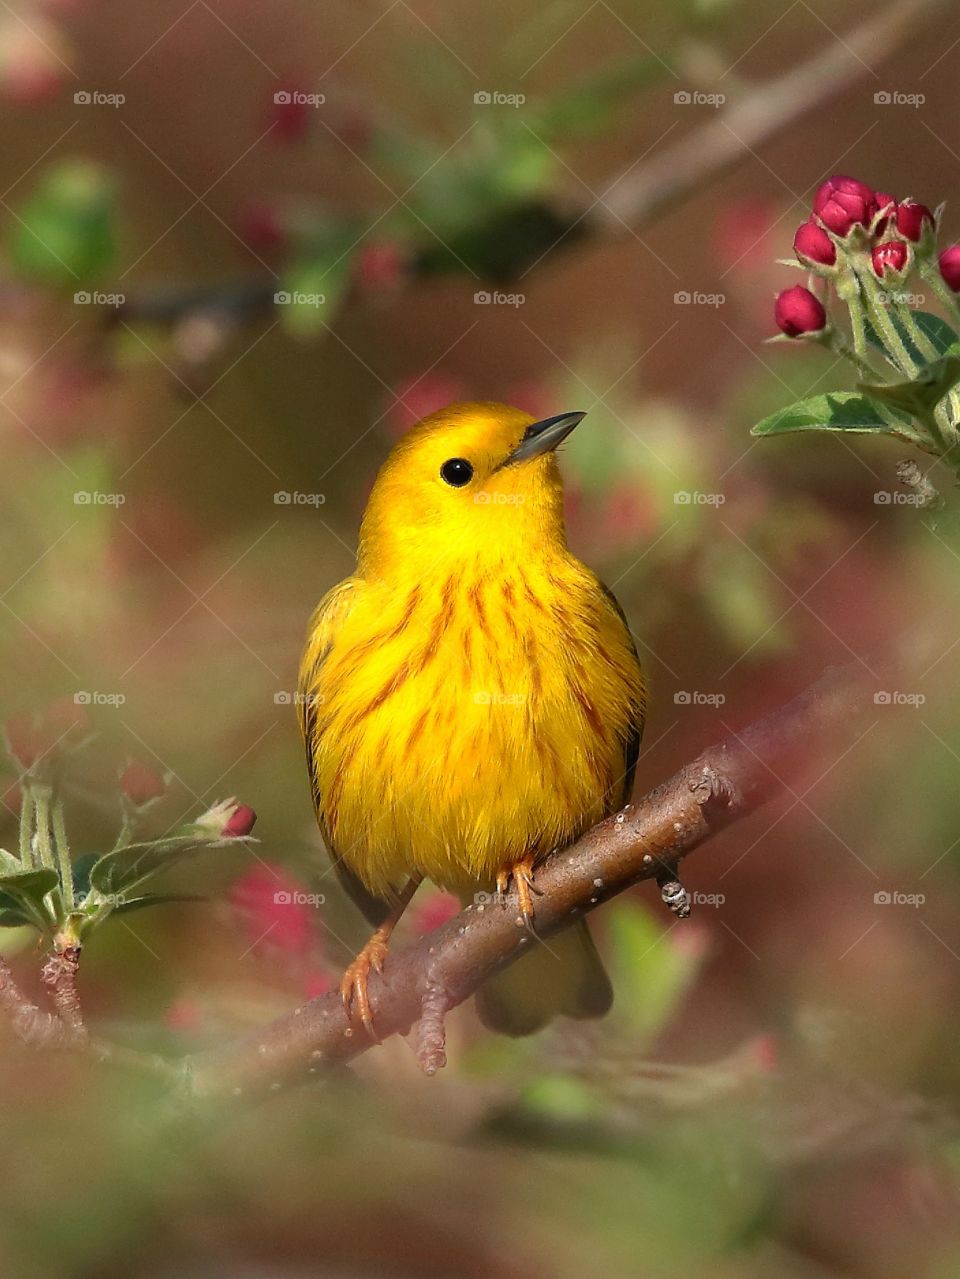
(470, 699)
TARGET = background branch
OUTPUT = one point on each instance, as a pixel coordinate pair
(636, 197)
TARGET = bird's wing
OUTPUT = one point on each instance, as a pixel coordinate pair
(632, 750)
(327, 619)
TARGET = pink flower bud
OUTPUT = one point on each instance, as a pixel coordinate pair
(842, 203)
(889, 258)
(950, 267)
(814, 246)
(797, 311)
(140, 783)
(913, 219)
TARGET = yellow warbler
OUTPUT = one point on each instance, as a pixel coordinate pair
(470, 698)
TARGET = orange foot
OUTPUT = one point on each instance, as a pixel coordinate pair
(353, 983)
(521, 873)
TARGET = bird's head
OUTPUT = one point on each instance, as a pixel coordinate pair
(469, 480)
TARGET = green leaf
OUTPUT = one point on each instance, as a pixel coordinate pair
(650, 972)
(22, 896)
(315, 285)
(937, 331)
(918, 394)
(117, 872)
(154, 899)
(65, 234)
(9, 865)
(850, 411)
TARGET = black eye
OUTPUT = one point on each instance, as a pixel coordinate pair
(456, 471)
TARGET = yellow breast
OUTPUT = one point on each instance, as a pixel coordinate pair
(459, 723)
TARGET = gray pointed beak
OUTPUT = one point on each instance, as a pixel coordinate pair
(543, 437)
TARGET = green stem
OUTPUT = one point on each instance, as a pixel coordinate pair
(883, 324)
(63, 856)
(44, 844)
(930, 272)
(859, 330)
(26, 827)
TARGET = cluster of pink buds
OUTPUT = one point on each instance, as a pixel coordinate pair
(856, 239)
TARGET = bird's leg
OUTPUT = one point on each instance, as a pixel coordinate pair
(353, 983)
(521, 872)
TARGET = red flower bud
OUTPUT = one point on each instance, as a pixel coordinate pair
(380, 267)
(291, 114)
(891, 257)
(240, 823)
(25, 740)
(950, 267)
(140, 783)
(885, 203)
(67, 715)
(261, 226)
(842, 203)
(814, 246)
(227, 820)
(912, 219)
(797, 311)
(274, 908)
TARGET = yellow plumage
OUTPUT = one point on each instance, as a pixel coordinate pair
(471, 695)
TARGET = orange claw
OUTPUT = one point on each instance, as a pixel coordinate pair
(521, 873)
(353, 983)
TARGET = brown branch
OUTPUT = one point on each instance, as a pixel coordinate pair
(59, 975)
(31, 1024)
(760, 114)
(645, 841)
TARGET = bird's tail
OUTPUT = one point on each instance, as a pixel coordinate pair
(561, 976)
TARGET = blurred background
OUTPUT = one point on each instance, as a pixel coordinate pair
(244, 246)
